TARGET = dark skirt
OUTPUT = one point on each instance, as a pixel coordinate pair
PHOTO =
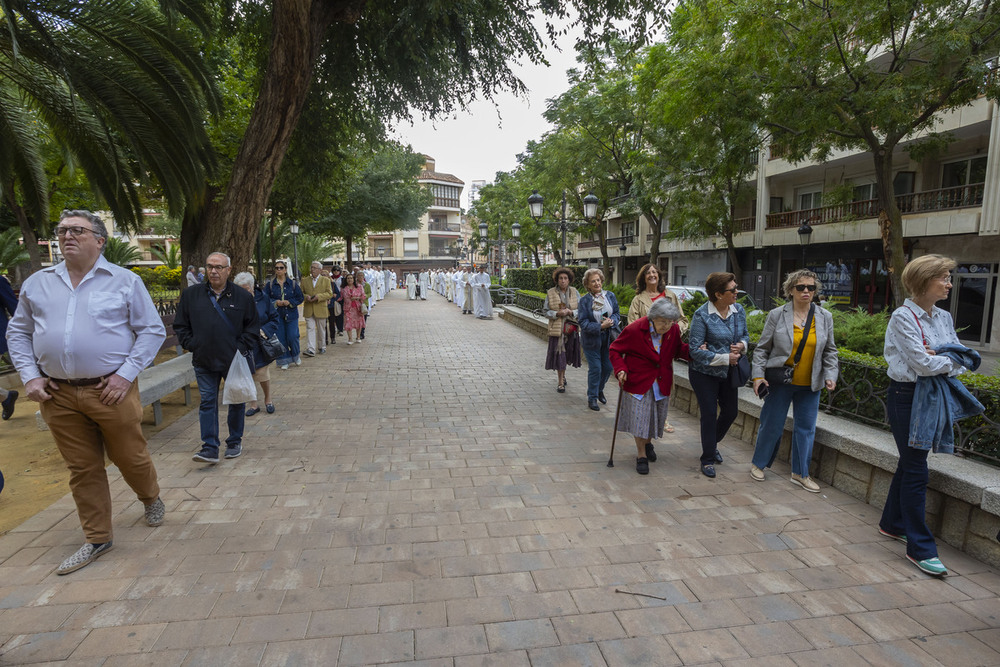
(570, 356)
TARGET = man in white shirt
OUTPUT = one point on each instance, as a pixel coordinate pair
(411, 286)
(425, 284)
(82, 332)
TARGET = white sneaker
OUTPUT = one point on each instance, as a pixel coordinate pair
(350, 342)
(298, 362)
(283, 367)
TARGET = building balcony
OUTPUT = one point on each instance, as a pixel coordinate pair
(965, 196)
(446, 202)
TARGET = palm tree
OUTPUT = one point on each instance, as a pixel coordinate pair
(312, 248)
(12, 252)
(121, 88)
(171, 256)
(121, 253)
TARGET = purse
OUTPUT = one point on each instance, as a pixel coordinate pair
(783, 374)
(271, 347)
(739, 374)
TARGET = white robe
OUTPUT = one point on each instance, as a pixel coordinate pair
(449, 285)
(425, 285)
(411, 286)
(460, 288)
(482, 305)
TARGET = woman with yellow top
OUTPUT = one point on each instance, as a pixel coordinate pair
(783, 380)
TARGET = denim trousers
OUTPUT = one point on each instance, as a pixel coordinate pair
(905, 506)
(208, 410)
(598, 367)
(805, 406)
(288, 334)
(718, 404)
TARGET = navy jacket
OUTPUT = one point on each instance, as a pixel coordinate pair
(291, 292)
(592, 337)
(939, 401)
(200, 328)
(267, 321)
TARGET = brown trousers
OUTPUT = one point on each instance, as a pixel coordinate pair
(84, 429)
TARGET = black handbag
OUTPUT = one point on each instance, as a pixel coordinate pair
(271, 348)
(739, 374)
(783, 374)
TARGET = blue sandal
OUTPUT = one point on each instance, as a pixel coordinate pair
(252, 411)
(270, 408)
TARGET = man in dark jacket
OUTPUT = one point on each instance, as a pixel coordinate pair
(214, 320)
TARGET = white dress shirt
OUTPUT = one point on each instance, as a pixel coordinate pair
(107, 324)
(904, 346)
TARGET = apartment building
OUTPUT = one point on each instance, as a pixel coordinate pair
(443, 235)
(950, 205)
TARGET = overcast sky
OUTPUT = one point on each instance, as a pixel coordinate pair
(476, 144)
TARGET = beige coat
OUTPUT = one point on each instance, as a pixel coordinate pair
(554, 303)
(323, 290)
(643, 302)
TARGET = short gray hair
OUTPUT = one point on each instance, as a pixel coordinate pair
(589, 274)
(244, 279)
(99, 227)
(664, 309)
(229, 262)
(317, 263)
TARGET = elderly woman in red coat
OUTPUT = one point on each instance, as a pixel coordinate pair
(643, 361)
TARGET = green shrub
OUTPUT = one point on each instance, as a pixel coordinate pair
(624, 294)
(696, 301)
(522, 278)
(860, 331)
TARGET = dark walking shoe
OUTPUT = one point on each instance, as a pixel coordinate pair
(642, 466)
(207, 455)
(270, 408)
(650, 452)
(708, 470)
(86, 555)
(8, 405)
(592, 404)
(718, 456)
(602, 398)
(154, 513)
(252, 411)
(234, 451)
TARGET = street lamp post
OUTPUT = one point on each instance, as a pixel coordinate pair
(459, 250)
(500, 242)
(805, 235)
(381, 253)
(536, 204)
(294, 228)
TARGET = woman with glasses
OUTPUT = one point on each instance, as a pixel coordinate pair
(794, 359)
(286, 296)
(718, 339)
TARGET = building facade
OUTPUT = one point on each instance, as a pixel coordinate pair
(950, 204)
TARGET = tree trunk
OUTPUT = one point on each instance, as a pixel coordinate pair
(27, 231)
(890, 222)
(734, 261)
(348, 259)
(602, 237)
(656, 228)
(196, 245)
(297, 31)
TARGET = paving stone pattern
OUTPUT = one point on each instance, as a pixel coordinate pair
(427, 497)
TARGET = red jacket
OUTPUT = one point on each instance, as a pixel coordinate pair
(633, 352)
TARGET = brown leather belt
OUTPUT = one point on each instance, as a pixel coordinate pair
(79, 382)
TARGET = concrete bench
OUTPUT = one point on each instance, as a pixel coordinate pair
(157, 382)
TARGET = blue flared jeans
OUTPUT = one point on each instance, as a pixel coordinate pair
(288, 334)
(905, 506)
(805, 405)
(598, 367)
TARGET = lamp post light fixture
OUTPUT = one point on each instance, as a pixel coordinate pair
(805, 235)
(459, 252)
(500, 242)
(536, 205)
(294, 229)
(381, 254)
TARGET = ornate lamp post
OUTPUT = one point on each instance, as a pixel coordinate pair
(381, 253)
(805, 235)
(500, 242)
(536, 204)
(294, 229)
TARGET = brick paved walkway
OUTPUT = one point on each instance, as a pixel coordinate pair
(427, 496)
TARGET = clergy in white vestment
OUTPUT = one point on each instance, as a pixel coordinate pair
(459, 287)
(425, 284)
(449, 285)
(387, 280)
(411, 286)
(467, 292)
(482, 304)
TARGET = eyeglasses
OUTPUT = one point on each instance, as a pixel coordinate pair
(803, 288)
(734, 290)
(279, 268)
(212, 267)
(74, 231)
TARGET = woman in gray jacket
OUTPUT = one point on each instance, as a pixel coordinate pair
(788, 372)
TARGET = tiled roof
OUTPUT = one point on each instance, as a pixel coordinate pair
(438, 176)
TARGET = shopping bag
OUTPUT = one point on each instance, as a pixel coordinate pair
(239, 382)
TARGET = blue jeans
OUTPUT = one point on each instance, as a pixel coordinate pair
(288, 334)
(905, 506)
(718, 404)
(805, 403)
(598, 367)
(208, 410)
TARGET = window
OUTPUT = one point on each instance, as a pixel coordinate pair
(964, 172)
(680, 275)
(410, 248)
(809, 199)
(864, 192)
(628, 231)
(904, 182)
(776, 205)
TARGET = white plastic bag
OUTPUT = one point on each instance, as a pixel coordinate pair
(239, 383)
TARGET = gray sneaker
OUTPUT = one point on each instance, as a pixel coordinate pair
(154, 513)
(86, 555)
(234, 451)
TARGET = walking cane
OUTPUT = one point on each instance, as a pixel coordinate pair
(618, 412)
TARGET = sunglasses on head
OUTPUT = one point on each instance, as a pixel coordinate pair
(803, 288)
